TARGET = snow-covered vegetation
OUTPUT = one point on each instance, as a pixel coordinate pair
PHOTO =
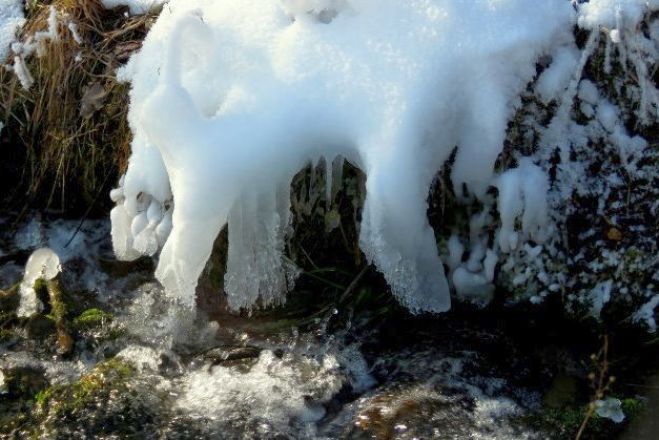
(537, 119)
(11, 19)
(497, 154)
(244, 100)
(549, 103)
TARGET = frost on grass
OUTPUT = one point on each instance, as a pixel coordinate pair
(11, 20)
(230, 99)
(34, 44)
(19, 51)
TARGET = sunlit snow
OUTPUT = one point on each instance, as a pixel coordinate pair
(230, 99)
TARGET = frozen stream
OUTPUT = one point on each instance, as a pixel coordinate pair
(342, 376)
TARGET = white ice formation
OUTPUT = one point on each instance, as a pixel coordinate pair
(44, 263)
(230, 99)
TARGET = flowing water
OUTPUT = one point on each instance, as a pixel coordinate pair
(148, 368)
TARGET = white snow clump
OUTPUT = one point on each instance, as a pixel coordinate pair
(44, 263)
(11, 19)
(230, 99)
(610, 408)
(646, 314)
(136, 7)
(36, 43)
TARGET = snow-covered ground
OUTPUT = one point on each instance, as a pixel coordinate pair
(229, 100)
(550, 136)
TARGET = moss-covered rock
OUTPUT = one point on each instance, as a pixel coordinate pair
(100, 402)
(91, 318)
(23, 382)
(58, 312)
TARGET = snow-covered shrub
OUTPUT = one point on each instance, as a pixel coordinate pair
(230, 99)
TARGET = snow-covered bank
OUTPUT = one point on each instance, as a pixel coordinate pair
(230, 100)
(244, 99)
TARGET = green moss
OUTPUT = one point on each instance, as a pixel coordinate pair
(42, 397)
(632, 407)
(60, 400)
(100, 402)
(6, 335)
(91, 318)
(23, 382)
(564, 422)
(40, 287)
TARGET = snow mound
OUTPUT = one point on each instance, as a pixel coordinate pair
(230, 99)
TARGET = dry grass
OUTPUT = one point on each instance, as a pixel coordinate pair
(58, 156)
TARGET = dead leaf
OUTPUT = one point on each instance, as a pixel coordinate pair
(614, 234)
(92, 100)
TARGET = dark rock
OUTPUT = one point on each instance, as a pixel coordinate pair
(39, 326)
(221, 355)
(23, 382)
(9, 299)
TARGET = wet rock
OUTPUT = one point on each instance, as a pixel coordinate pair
(18, 256)
(22, 382)
(103, 403)
(415, 413)
(121, 269)
(39, 327)
(231, 355)
(9, 299)
(58, 310)
(7, 337)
